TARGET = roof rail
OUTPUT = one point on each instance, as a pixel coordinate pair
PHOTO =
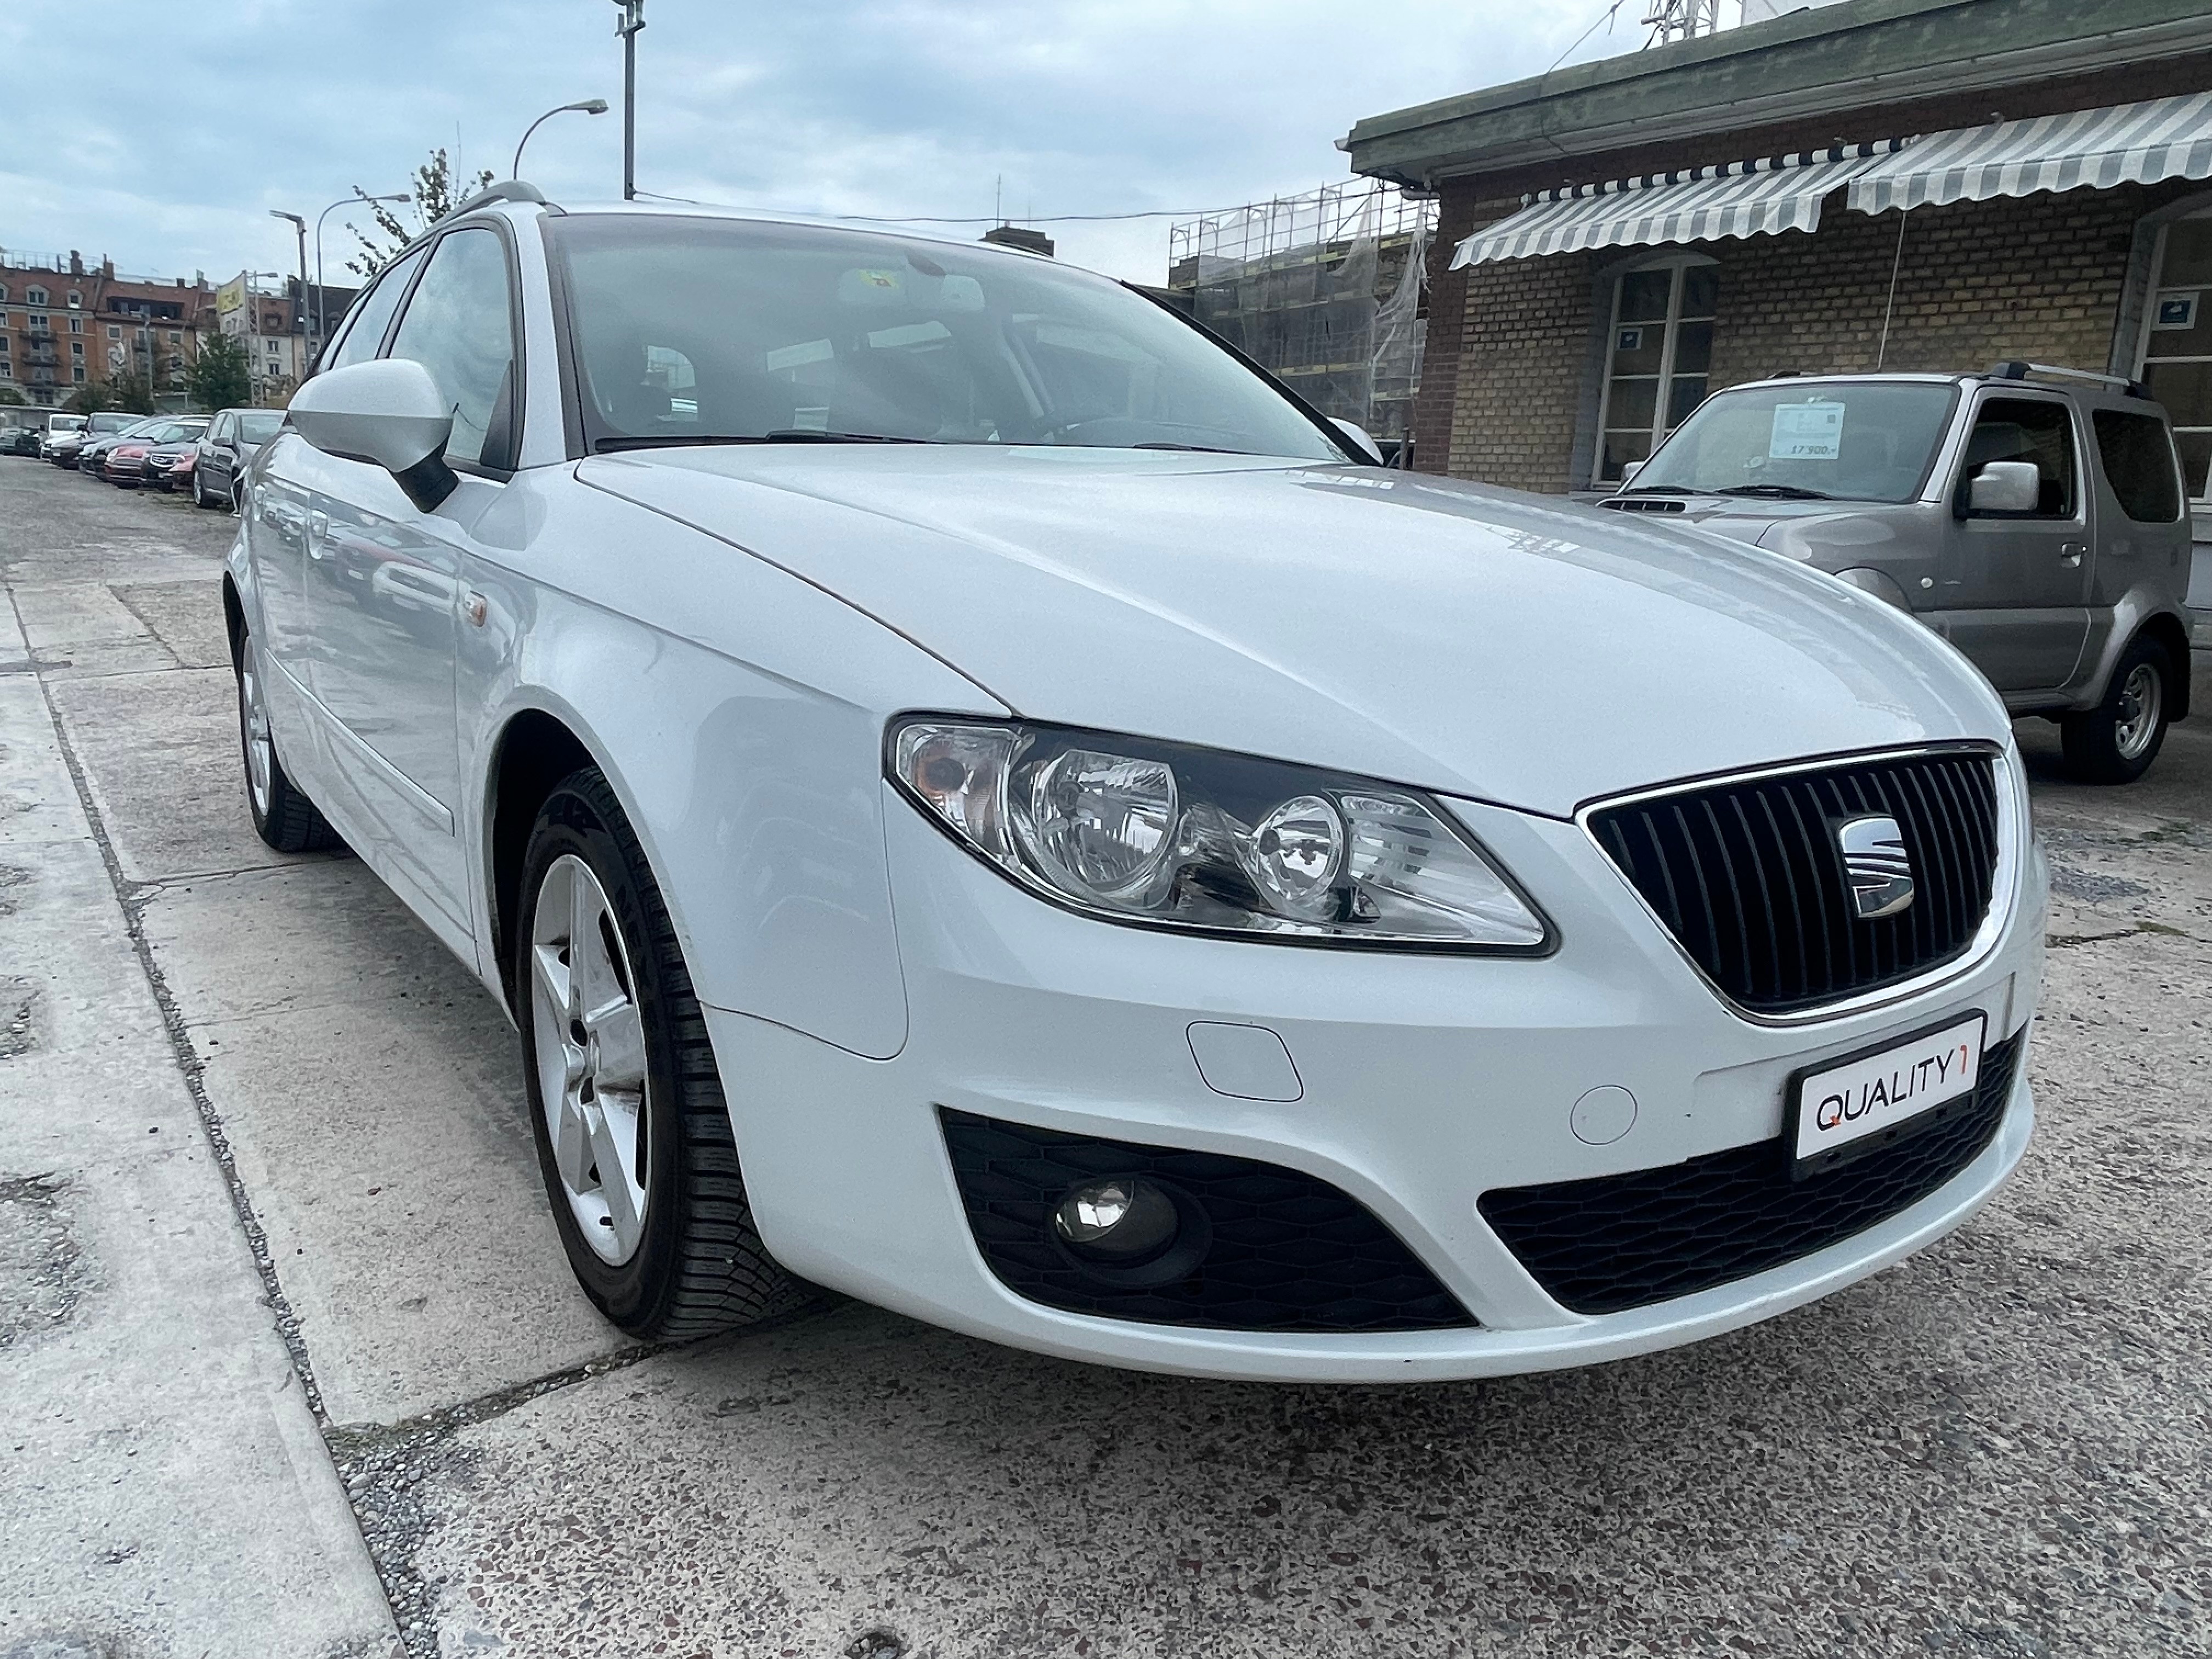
(507, 190)
(2014, 368)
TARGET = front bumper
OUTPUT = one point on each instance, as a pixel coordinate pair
(1424, 1082)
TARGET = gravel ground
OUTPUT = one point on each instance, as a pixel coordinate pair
(1998, 1448)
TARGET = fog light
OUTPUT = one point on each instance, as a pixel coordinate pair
(1123, 1220)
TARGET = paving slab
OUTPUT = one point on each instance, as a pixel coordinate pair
(185, 617)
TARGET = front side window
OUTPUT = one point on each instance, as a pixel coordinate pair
(1657, 361)
(2032, 430)
(459, 326)
(1870, 440)
(259, 428)
(372, 313)
(716, 329)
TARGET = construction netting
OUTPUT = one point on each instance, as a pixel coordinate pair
(1323, 289)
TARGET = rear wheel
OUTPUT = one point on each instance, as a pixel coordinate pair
(283, 818)
(2117, 741)
(633, 1132)
(199, 496)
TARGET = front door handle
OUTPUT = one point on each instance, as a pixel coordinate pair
(2070, 554)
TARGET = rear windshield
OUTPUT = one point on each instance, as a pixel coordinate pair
(259, 428)
(690, 329)
(1858, 441)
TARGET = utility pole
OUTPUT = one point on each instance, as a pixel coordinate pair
(633, 19)
(300, 317)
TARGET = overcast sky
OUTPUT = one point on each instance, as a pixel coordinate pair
(163, 138)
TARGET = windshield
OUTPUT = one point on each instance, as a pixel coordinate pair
(699, 330)
(64, 423)
(116, 423)
(170, 432)
(259, 428)
(1853, 441)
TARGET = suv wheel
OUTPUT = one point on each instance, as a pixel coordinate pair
(2117, 741)
(633, 1132)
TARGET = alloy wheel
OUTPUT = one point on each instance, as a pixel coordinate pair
(260, 747)
(589, 1034)
(2143, 698)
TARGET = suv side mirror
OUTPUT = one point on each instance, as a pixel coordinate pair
(388, 413)
(1628, 474)
(2005, 487)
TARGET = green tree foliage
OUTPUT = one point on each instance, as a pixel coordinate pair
(12, 398)
(218, 378)
(129, 391)
(435, 196)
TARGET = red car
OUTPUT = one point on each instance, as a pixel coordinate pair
(124, 464)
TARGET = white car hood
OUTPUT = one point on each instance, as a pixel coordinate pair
(1513, 648)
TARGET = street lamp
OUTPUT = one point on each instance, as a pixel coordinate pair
(322, 326)
(589, 106)
(633, 19)
(300, 225)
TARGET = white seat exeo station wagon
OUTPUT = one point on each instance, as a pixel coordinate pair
(976, 797)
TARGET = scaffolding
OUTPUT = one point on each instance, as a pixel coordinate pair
(1324, 289)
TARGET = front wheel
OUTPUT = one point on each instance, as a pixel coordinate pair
(283, 818)
(633, 1133)
(2117, 741)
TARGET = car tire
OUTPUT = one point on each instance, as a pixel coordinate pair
(2117, 741)
(199, 496)
(283, 817)
(666, 1248)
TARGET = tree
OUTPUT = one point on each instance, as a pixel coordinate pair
(218, 378)
(10, 398)
(128, 390)
(435, 198)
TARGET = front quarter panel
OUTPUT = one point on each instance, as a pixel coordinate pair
(738, 714)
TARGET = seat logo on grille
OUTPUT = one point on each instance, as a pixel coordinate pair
(1877, 865)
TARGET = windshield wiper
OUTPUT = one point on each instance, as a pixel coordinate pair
(794, 435)
(1658, 489)
(1195, 449)
(1777, 492)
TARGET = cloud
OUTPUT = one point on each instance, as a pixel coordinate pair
(168, 161)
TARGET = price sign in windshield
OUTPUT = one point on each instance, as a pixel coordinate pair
(1806, 432)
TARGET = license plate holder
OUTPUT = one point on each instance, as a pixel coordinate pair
(1843, 1109)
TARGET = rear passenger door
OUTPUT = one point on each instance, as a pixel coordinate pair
(2014, 585)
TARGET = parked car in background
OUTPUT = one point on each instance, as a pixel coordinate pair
(60, 428)
(170, 467)
(123, 464)
(233, 439)
(2034, 517)
(1160, 888)
(20, 441)
(105, 427)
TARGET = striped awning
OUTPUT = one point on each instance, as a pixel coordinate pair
(1742, 198)
(2126, 143)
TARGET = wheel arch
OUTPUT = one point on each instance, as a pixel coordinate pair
(2172, 636)
(534, 749)
(233, 616)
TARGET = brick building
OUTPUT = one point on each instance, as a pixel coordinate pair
(1883, 183)
(65, 325)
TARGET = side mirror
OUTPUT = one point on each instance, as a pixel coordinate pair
(1628, 473)
(2005, 487)
(388, 413)
(1360, 442)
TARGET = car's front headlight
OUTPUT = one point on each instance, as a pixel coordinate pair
(1169, 835)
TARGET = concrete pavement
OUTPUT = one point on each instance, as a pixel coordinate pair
(1998, 1448)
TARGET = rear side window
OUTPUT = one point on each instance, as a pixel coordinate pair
(458, 326)
(2138, 459)
(2028, 429)
(371, 314)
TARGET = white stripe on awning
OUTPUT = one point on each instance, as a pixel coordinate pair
(2127, 143)
(1754, 198)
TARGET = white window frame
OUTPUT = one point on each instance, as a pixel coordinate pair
(2149, 331)
(1674, 264)
(35, 296)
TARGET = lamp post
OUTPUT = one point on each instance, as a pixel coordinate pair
(322, 325)
(588, 107)
(299, 225)
(633, 19)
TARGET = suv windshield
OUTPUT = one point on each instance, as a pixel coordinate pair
(259, 428)
(1853, 441)
(694, 330)
(105, 423)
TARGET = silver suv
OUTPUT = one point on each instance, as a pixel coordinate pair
(2034, 517)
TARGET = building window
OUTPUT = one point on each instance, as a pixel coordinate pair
(176, 337)
(114, 332)
(36, 296)
(1656, 357)
(79, 374)
(37, 323)
(2175, 360)
(76, 324)
(75, 299)
(76, 348)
